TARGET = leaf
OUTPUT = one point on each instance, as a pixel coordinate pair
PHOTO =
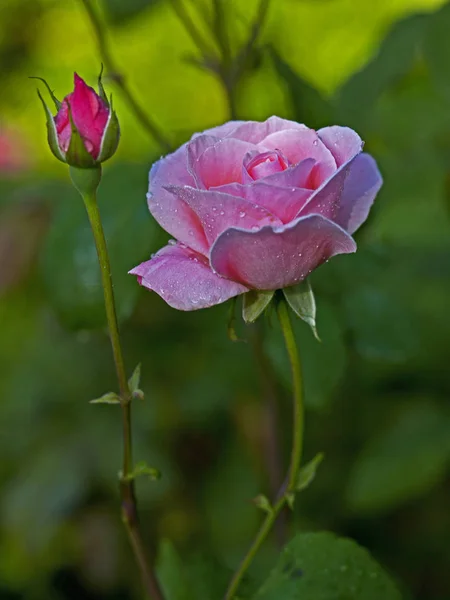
(263, 503)
(191, 578)
(109, 398)
(321, 566)
(254, 303)
(309, 106)
(301, 299)
(308, 472)
(142, 469)
(405, 460)
(120, 11)
(69, 264)
(135, 379)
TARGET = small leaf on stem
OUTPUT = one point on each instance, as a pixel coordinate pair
(109, 398)
(308, 472)
(135, 379)
(263, 503)
(141, 469)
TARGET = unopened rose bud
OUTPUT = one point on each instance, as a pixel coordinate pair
(85, 131)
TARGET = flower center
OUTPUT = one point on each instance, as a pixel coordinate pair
(266, 163)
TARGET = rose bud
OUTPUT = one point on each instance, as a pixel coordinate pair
(85, 131)
(255, 207)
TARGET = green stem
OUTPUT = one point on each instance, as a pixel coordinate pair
(110, 65)
(129, 507)
(296, 454)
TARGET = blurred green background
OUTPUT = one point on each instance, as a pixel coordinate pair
(377, 387)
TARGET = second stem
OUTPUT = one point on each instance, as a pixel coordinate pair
(129, 507)
(289, 487)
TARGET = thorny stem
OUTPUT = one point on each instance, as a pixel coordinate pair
(120, 81)
(129, 507)
(289, 488)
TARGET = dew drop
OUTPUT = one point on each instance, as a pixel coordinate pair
(242, 214)
(315, 142)
(172, 243)
(222, 213)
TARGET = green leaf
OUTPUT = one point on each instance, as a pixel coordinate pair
(309, 106)
(69, 263)
(135, 379)
(321, 566)
(301, 299)
(192, 577)
(406, 459)
(141, 469)
(263, 503)
(109, 398)
(254, 303)
(308, 472)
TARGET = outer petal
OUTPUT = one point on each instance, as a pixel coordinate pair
(221, 131)
(195, 149)
(255, 132)
(343, 142)
(360, 188)
(218, 211)
(221, 163)
(171, 212)
(300, 144)
(283, 202)
(184, 279)
(277, 257)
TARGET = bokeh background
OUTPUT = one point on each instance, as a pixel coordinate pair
(216, 418)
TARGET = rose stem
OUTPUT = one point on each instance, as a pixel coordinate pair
(271, 437)
(120, 81)
(296, 453)
(129, 506)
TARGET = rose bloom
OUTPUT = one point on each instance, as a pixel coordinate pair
(255, 206)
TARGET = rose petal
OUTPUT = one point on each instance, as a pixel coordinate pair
(221, 163)
(277, 257)
(255, 132)
(283, 202)
(221, 131)
(295, 176)
(174, 215)
(326, 200)
(184, 279)
(218, 211)
(195, 149)
(360, 188)
(298, 144)
(342, 142)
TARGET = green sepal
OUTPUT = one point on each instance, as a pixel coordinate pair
(308, 472)
(301, 299)
(77, 155)
(52, 135)
(141, 469)
(56, 102)
(111, 136)
(101, 89)
(263, 503)
(109, 398)
(254, 303)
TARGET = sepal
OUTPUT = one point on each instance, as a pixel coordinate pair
(301, 299)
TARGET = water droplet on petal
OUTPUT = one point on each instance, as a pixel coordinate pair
(242, 214)
(315, 142)
(222, 212)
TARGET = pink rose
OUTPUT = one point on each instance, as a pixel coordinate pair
(85, 130)
(255, 206)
